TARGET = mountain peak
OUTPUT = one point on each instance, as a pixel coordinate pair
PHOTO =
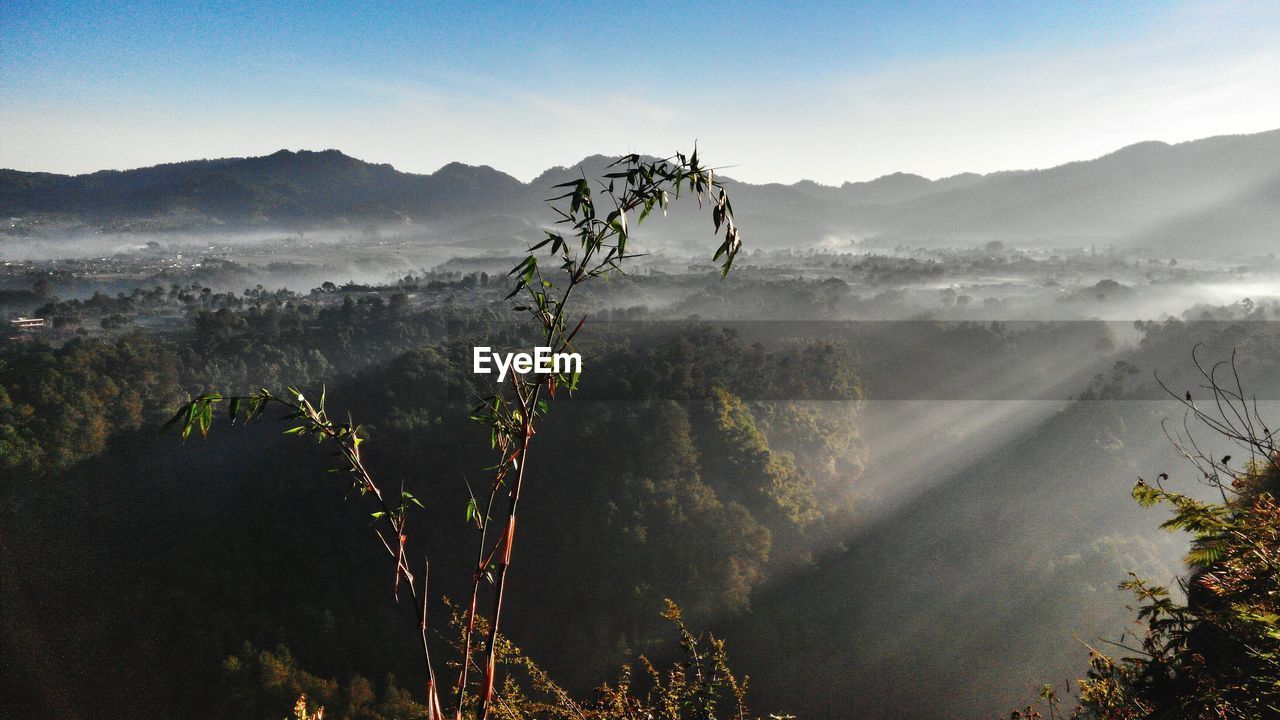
(897, 179)
(1145, 148)
(1126, 195)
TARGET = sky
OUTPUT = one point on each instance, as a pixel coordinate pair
(775, 92)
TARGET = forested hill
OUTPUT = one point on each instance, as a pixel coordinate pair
(284, 187)
(1168, 197)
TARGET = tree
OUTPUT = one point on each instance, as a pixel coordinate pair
(587, 243)
(1216, 653)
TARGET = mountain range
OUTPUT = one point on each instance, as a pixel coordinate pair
(1220, 193)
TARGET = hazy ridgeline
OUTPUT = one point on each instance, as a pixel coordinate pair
(893, 470)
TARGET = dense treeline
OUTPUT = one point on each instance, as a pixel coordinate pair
(695, 463)
(184, 564)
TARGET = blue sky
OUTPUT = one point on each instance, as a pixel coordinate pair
(779, 91)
